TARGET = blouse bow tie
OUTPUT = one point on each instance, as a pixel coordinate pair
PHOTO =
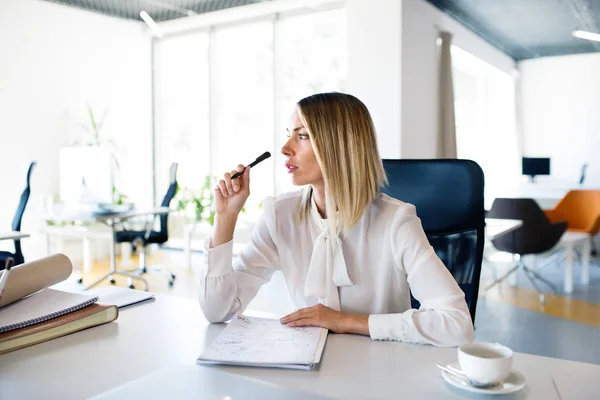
(327, 270)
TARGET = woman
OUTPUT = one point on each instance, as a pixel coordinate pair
(348, 253)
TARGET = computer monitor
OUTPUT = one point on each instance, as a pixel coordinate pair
(534, 166)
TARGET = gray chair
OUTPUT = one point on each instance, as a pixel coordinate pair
(536, 235)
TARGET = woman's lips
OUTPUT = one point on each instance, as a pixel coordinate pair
(290, 167)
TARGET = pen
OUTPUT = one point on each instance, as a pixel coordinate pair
(4, 278)
(260, 158)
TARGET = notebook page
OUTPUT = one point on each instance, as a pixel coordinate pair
(263, 341)
(41, 306)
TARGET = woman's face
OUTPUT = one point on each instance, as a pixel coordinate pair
(300, 160)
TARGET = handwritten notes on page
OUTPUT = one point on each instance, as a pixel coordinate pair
(264, 342)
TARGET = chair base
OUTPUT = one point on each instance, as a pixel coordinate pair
(145, 269)
(533, 277)
(110, 277)
(137, 273)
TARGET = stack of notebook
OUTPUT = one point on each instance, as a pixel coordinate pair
(31, 313)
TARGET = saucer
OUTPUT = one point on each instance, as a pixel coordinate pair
(513, 383)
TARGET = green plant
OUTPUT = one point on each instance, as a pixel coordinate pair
(93, 128)
(200, 202)
(118, 197)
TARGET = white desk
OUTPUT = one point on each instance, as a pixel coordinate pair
(109, 219)
(84, 232)
(571, 240)
(172, 331)
(495, 227)
(13, 235)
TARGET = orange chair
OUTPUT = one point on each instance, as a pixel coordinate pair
(581, 210)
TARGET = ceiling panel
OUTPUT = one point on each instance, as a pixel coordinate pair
(520, 28)
(529, 28)
(159, 10)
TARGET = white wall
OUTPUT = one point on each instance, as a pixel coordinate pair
(54, 60)
(560, 112)
(399, 78)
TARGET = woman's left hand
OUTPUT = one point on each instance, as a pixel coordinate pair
(326, 317)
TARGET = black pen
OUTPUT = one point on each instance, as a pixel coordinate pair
(260, 158)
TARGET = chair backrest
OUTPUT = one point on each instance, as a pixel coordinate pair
(171, 191)
(581, 210)
(16, 224)
(582, 177)
(536, 235)
(448, 196)
(18, 218)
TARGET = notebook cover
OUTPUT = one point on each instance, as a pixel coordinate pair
(67, 321)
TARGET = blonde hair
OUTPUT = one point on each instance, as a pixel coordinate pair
(345, 144)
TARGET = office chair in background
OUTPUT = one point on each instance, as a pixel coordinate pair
(448, 196)
(140, 239)
(17, 256)
(536, 235)
(581, 210)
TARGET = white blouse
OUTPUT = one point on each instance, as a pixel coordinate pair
(366, 271)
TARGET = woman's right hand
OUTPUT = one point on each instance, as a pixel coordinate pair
(231, 195)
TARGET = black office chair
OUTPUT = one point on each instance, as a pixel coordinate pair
(536, 235)
(448, 196)
(140, 239)
(17, 256)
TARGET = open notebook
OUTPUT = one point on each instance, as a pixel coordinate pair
(264, 342)
(40, 307)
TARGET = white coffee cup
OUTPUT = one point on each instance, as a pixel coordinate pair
(484, 362)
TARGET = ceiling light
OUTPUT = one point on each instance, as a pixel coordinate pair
(587, 35)
(153, 27)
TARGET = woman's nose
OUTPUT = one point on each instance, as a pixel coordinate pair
(287, 149)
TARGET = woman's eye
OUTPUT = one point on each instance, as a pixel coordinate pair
(303, 136)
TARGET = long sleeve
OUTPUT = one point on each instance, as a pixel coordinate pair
(443, 318)
(225, 288)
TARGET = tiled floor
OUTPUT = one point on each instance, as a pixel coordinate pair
(567, 327)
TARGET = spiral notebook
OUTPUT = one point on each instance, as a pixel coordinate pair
(40, 307)
(264, 342)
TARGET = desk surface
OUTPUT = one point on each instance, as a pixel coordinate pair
(12, 235)
(172, 331)
(495, 227)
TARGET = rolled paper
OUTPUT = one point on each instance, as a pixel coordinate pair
(33, 276)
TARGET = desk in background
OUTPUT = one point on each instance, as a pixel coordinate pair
(545, 192)
(172, 331)
(570, 241)
(495, 227)
(13, 235)
(111, 220)
(86, 233)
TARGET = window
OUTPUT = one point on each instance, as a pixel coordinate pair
(242, 103)
(484, 101)
(224, 97)
(312, 59)
(181, 110)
